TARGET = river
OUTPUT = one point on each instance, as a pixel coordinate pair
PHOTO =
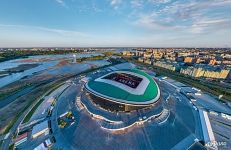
(49, 61)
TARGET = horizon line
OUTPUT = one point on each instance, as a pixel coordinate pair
(107, 47)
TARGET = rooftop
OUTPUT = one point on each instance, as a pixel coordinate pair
(40, 127)
(145, 91)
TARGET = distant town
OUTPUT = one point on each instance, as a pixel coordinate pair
(208, 63)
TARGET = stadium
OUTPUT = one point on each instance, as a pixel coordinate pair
(124, 90)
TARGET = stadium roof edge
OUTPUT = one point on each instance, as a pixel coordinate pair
(118, 94)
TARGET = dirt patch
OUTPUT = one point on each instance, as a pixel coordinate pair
(29, 60)
(62, 63)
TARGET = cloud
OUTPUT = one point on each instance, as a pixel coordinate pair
(95, 8)
(62, 3)
(115, 3)
(137, 3)
(197, 27)
(160, 1)
(202, 25)
(60, 32)
(149, 22)
(186, 16)
(63, 32)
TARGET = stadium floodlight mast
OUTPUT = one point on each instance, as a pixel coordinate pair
(74, 58)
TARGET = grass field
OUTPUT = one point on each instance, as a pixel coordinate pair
(29, 115)
(11, 147)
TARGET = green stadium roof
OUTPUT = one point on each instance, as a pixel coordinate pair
(116, 94)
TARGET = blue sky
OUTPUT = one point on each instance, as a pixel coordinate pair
(83, 23)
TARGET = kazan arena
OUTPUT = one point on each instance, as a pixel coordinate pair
(124, 90)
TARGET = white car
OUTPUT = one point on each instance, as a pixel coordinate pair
(213, 113)
(193, 100)
(164, 78)
(198, 94)
(226, 116)
(194, 107)
(196, 89)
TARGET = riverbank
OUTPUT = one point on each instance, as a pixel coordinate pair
(19, 68)
(91, 58)
(99, 57)
(10, 55)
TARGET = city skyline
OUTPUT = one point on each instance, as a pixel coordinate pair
(115, 23)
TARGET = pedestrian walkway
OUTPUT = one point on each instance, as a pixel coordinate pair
(115, 121)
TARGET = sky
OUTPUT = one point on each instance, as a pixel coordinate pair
(115, 23)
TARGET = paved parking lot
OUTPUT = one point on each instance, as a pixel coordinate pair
(87, 134)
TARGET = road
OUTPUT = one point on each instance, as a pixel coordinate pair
(66, 102)
(220, 126)
(204, 100)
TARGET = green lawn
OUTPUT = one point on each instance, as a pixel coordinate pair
(11, 147)
(29, 115)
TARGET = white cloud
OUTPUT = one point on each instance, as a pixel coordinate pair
(115, 3)
(95, 8)
(160, 1)
(62, 3)
(60, 32)
(150, 22)
(63, 32)
(186, 16)
(202, 25)
(137, 3)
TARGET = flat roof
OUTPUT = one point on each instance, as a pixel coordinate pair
(145, 93)
(22, 136)
(40, 127)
